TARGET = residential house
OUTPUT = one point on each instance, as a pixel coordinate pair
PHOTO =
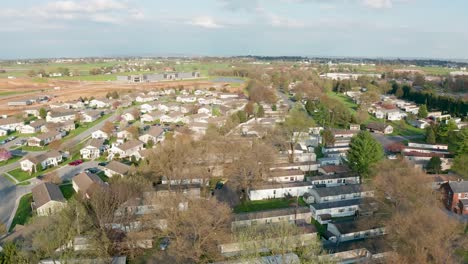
(44, 139)
(116, 168)
(379, 128)
(199, 118)
(420, 154)
(198, 128)
(279, 190)
(58, 116)
(331, 180)
(143, 98)
(173, 117)
(455, 196)
(33, 127)
(149, 107)
(333, 169)
(293, 175)
(99, 103)
(61, 127)
(421, 124)
(324, 212)
(10, 123)
(86, 183)
(228, 96)
(128, 117)
(127, 149)
(155, 134)
(90, 116)
(32, 112)
(124, 135)
(93, 149)
(48, 199)
(291, 214)
(365, 227)
(303, 166)
(186, 99)
(204, 110)
(338, 193)
(99, 134)
(35, 163)
(152, 116)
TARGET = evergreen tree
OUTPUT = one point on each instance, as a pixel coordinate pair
(434, 165)
(260, 111)
(430, 135)
(422, 113)
(364, 152)
(42, 113)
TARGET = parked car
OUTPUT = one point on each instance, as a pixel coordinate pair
(164, 243)
(93, 170)
(103, 163)
(76, 162)
(2, 142)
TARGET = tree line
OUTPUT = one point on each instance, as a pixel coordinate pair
(446, 104)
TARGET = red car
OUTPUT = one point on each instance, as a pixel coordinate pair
(75, 163)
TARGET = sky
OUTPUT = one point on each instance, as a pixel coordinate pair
(351, 28)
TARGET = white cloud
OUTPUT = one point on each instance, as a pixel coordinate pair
(205, 22)
(378, 3)
(88, 6)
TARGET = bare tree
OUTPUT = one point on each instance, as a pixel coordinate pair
(415, 227)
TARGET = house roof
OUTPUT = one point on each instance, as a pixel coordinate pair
(284, 173)
(93, 113)
(47, 135)
(10, 120)
(41, 157)
(59, 113)
(84, 181)
(338, 190)
(333, 176)
(118, 167)
(361, 224)
(335, 168)
(37, 123)
(97, 143)
(282, 185)
(130, 144)
(459, 186)
(377, 126)
(337, 204)
(46, 192)
(271, 213)
(155, 131)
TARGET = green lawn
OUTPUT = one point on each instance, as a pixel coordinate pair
(406, 129)
(345, 100)
(24, 211)
(13, 159)
(252, 206)
(84, 127)
(20, 175)
(67, 190)
(103, 176)
(34, 148)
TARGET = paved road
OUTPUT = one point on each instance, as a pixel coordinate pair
(286, 99)
(67, 172)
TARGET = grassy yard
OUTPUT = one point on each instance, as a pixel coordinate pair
(252, 206)
(103, 176)
(67, 190)
(13, 159)
(33, 148)
(83, 127)
(345, 100)
(24, 212)
(20, 175)
(405, 129)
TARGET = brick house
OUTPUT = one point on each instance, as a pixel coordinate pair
(455, 196)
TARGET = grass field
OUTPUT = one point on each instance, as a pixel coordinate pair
(20, 175)
(24, 211)
(252, 206)
(345, 100)
(67, 190)
(13, 159)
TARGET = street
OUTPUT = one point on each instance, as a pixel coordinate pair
(11, 193)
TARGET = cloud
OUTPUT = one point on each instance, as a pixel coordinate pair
(88, 6)
(240, 5)
(205, 22)
(378, 4)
